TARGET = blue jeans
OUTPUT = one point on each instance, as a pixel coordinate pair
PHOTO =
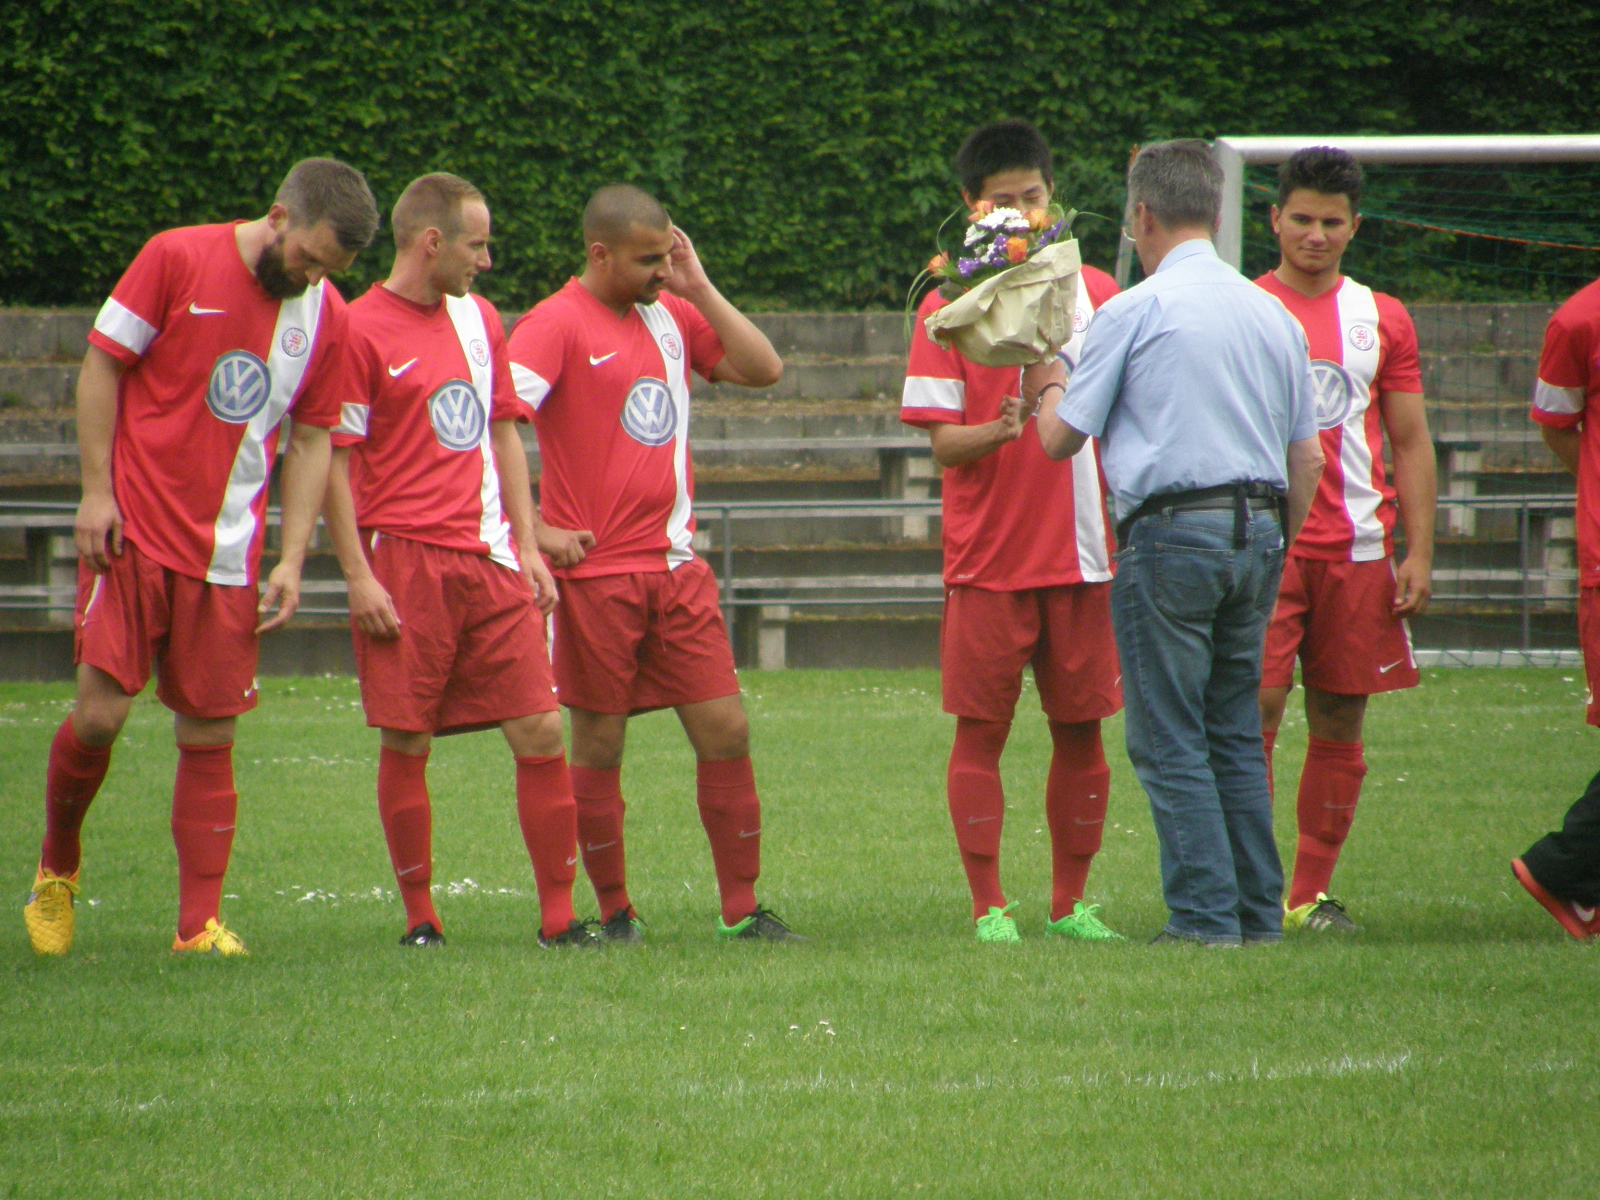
(1190, 612)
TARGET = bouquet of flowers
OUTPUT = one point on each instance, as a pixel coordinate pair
(1011, 286)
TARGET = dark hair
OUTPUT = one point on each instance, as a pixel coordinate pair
(617, 207)
(1178, 182)
(1324, 169)
(1010, 145)
(325, 189)
(431, 202)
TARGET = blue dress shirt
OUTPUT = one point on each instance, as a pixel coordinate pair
(1193, 379)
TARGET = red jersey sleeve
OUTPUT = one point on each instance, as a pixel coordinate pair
(1564, 359)
(1100, 286)
(1402, 368)
(356, 384)
(504, 405)
(137, 308)
(320, 401)
(536, 353)
(935, 390)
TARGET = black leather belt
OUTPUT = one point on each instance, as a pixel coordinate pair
(1243, 498)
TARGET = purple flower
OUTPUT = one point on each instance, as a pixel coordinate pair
(967, 266)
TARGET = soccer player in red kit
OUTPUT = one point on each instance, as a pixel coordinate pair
(211, 336)
(432, 516)
(604, 363)
(1562, 869)
(1343, 603)
(1016, 591)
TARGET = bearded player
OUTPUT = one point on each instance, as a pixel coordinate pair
(1016, 591)
(211, 336)
(432, 516)
(1562, 869)
(1343, 603)
(604, 363)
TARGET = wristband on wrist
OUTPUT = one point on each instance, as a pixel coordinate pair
(1039, 400)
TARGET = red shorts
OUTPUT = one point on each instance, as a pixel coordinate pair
(201, 637)
(630, 643)
(471, 650)
(1337, 617)
(986, 638)
(1589, 639)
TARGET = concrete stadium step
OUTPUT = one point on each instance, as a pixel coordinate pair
(1477, 328)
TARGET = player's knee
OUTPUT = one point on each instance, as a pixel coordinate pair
(535, 736)
(730, 738)
(98, 723)
(1273, 701)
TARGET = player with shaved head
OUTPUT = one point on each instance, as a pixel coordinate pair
(432, 516)
(604, 363)
(210, 337)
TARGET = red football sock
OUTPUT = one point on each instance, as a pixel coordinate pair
(1330, 785)
(204, 807)
(598, 794)
(70, 783)
(978, 806)
(729, 809)
(407, 817)
(1075, 809)
(1269, 739)
(549, 821)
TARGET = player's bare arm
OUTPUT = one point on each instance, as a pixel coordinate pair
(563, 547)
(1416, 484)
(516, 499)
(748, 357)
(957, 444)
(1058, 439)
(1305, 463)
(371, 607)
(1564, 444)
(305, 480)
(97, 530)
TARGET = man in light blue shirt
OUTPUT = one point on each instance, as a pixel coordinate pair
(1198, 385)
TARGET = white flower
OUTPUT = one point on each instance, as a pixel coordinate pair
(1003, 218)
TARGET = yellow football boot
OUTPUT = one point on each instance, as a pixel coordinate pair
(48, 912)
(215, 938)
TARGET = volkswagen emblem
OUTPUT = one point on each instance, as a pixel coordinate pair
(648, 414)
(1334, 390)
(457, 416)
(240, 387)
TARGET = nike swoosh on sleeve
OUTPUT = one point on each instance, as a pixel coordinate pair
(396, 372)
(595, 362)
(205, 312)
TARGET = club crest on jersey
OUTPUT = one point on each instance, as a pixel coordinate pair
(649, 414)
(457, 416)
(479, 352)
(240, 387)
(1363, 337)
(1334, 390)
(671, 346)
(1080, 319)
(294, 341)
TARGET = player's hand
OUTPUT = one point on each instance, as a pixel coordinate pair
(688, 276)
(1011, 417)
(541, 581)
(372, 609)
(283, 593)
(97, 529)
(1413, 587)
(564, 547)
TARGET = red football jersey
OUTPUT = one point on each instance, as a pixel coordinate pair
(610, 399)
(1004, 513)
(420, 388)
(214, 363)
(1362, 345)
(1567, 396)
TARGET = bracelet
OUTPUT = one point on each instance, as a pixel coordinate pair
(1038, 400)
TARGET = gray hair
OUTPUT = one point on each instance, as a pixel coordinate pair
(1178, 182)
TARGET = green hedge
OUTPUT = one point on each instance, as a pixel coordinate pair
(805, 145)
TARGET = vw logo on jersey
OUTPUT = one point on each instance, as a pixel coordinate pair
(1334, 389)
(457, 416)
(240, 387)
(294, 341)
(1363, 337)
(648, 414)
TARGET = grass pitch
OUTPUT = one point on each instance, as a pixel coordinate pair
(1449, 1050)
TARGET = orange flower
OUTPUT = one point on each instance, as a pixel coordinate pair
(938, 263)
(980, 210)
(1016, 250)
(1039, 219)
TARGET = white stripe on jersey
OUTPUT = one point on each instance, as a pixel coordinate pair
(924, 391)
(493, 527)
(661, 324)
(532, 388)
(236, 522)
(1358, 306)
(125, 327)
(353, 419)
(1559, 401)
(1088, 501)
